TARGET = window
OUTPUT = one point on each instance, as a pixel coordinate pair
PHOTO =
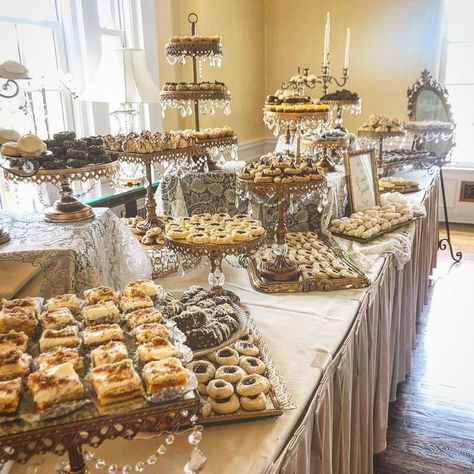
(61, 43)
(459, 75)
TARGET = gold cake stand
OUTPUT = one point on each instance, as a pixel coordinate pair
(148, 159)
(379, 138)
(67, 208)
(216, 253)
(281, 268)
(328, 147)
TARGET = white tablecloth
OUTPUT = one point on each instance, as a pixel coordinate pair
(342, 354)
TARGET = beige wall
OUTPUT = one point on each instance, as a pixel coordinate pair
(266, 40)
(241, 25)
(392, 41)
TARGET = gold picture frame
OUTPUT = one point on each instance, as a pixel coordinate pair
(362, 179)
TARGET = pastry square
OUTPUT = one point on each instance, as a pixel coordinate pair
(56, 318)
(65, 337)
(101, 294)
(10, 396)
(132, 303)
(102, 333)
(143, 316)
(26, 303)
(14, 363)
(160, 374)
(144, 287)
(110, 353)
(117, 382)
(101, 313)
(157, 349)
(147, 332)
(60, 356)
(13, 340)
(68, 300)
(55, 385)
(18, 319)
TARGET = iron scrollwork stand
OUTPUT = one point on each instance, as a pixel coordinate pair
(427, 82)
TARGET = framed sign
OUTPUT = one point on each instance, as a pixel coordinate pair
(362, 179)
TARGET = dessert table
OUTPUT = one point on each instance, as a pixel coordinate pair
(45, 259)
(342, 354)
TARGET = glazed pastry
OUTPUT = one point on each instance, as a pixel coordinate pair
(60, 356)
(10, 396)
(252, 365)
(227, 356)
(65, 337)
(13, 340)
(145, 287)
(10, 149)
(252, 385)
(101, 313)
(17, 319)
(101, 294)
(206, 408)
(254, 403)
(132, 303)
(57, 318)
(162, 374)
(226, 405)
(204, 371)
(230, 373)
(143, 316)
(220, 389)
(8, 135)
(148, 331)
(14, 363)
(102, 333)
(246, 348)
(157, 349)
(55, 385)
(116, 382)
(29, 304)
(109, 353)
(70, 301)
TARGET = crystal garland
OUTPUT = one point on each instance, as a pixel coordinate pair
(215, 60)
(194, 465)
(310, 123)
(206, 106)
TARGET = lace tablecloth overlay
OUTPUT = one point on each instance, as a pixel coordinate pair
(196, 193)
(45, 259)
(215, 191)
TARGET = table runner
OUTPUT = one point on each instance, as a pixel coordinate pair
(46, 259)
(342, 354)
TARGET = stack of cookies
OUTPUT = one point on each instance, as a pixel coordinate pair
(281, 168)
(207, 320)
(214, 229)
(232, 378)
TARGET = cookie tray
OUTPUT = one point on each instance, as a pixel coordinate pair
(402, 190)
(383, 232)
(297, 286)
(278, 398)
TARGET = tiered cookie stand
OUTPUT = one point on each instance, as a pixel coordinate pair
(67, 208)
(281, 268)
(328, 148)
(379, 139)
(205, 102)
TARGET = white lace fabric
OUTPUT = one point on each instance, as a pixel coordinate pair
(46, 259)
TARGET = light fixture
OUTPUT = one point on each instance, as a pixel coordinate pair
(11, 71)
(123, 76)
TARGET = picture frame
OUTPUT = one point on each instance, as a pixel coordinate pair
(362, 179)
